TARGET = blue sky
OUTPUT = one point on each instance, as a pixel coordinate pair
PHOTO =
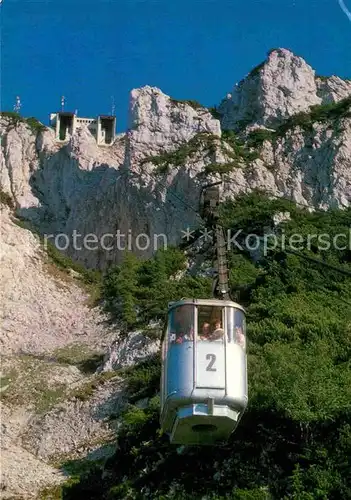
(191, 49)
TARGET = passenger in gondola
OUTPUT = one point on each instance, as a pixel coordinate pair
(185, 336)
(205, 331)
(218, 331)
(240, 337)
(183, 331)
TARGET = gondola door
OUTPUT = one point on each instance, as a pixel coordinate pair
(210, 348)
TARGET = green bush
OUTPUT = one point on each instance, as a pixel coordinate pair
(272, 50)
(320, 113)
(256, 70)
(219, 168)
(209, 143)
(143, 380)
(193, 104)
(257, 137)
(32, 122)
(89, 276)
(180, 156)
(35, 125)
(15, 117)
(6, 199)
(240, 149)
(137, 292)
(214, 112)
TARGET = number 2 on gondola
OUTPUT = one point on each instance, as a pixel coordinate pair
(210, 366)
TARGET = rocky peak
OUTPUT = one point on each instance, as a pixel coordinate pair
(149, 180)
(332, 89)
(282, 86)
(159, 123)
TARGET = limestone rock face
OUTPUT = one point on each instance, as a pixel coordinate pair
(135, 348)
(95, 202)
(277, 89)
(139, 194)
(333, 89)
(159, 123)
(41, 308)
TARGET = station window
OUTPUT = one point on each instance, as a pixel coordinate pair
(236, 328)
(210, 323)
(181, 324)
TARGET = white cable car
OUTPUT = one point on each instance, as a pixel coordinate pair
(204, 368)
(204, 371)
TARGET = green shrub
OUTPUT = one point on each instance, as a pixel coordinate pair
(193, 104)
(15, 117)
(323, 77)
(321, 113)
(143, 380)
(6, 199)
(89, 276)
(87, 390)
(32, 122)
(256, 70)
(257, 137)
(272, 50)
(305, 120)
(219, 168)
(180, 156)
(214, 112)
(35, 125)
(240, 149)
(209, 143)
(137, 292)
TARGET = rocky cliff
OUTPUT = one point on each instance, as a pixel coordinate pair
(283, 129)
(277, 89)
(137, 186)
(54, 404)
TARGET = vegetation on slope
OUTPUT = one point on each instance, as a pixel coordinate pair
(321, 113)
(185, 151)
(197, 106)
(32, 122)
(238, 153)
(294, 442)
(138, 292)
(60, 264)
(6, 199)
(192, 103)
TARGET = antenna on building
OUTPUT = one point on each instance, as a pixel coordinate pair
(18, 105)
(113, 107)
(63, 99)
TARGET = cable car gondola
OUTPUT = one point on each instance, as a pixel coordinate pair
(204, 367)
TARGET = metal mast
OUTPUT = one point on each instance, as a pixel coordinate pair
(18, 105)
(210, 198)
(113, 107)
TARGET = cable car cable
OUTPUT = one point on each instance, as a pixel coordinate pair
(228, 180)
(321, 262)
(334, 268)
(231, 181)
(171, 192)
(325, 290)
(343, 271)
